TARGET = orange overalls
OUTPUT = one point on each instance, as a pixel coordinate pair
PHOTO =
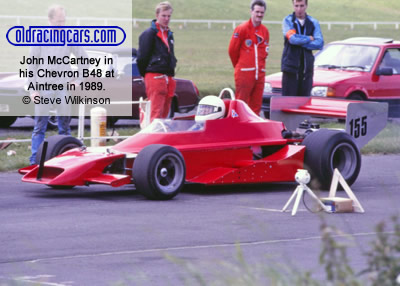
(248, 50)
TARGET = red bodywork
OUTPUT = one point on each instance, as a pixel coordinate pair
(221, 153)
(345, 82)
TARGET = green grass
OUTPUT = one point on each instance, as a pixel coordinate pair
(10, 55)
(343, 10)
(202, 52)
(23, 150)
(387, 142)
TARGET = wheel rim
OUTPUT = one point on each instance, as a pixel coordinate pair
(344, 158)
(169, 173)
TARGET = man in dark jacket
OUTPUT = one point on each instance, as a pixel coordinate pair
(156, 62)
(302, 35)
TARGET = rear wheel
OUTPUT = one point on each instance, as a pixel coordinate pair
(159, 172)
(329, 149)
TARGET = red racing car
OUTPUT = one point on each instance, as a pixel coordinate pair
(240, 148)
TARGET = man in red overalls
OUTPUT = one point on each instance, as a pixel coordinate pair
(156, 62)
(248, 50)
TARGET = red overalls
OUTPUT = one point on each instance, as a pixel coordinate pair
(248, 50)
(160, 88)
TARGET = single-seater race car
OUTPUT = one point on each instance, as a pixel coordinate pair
(237, 147)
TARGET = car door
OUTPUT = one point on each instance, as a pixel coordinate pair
(388, 86)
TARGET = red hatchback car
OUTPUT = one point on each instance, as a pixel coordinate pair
(355, 68)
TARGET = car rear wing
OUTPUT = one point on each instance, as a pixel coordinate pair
(364, 119)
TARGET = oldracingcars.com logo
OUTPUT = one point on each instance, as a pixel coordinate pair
(66, 35)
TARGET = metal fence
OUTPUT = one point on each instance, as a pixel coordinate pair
(234, 23)
(76, 20)
(81, 123)
(209, 23)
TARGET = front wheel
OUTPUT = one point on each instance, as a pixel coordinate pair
(356, 96)
(159, 172)
(57, 145)
(327, 150)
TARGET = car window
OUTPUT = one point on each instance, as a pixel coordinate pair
(135, 70)
(99, 55)
(124, 63)
(102, 64)
(391, 59)
(348, 57)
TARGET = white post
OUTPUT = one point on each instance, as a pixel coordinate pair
(98, 126)
(81, 122)
(147, 115)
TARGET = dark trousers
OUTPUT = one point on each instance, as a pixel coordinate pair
(299, 84)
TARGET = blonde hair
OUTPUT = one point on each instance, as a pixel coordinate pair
(163, 6)
(53, 9)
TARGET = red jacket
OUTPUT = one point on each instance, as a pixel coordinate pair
(249, 47)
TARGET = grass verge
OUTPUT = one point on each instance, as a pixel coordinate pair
(387, 142)
(381, 268)
(23, 150)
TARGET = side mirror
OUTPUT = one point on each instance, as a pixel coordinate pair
(384, 71)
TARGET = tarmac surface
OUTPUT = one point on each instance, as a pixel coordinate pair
(100, 235)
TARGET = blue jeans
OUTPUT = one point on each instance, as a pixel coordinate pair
(41, 121)
(39, 131)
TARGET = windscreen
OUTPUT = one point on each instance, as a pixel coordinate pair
(348, 57)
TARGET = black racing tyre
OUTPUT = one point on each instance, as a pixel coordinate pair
(7, 121)
(159, 172)
(57, 145)
(329, 149)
